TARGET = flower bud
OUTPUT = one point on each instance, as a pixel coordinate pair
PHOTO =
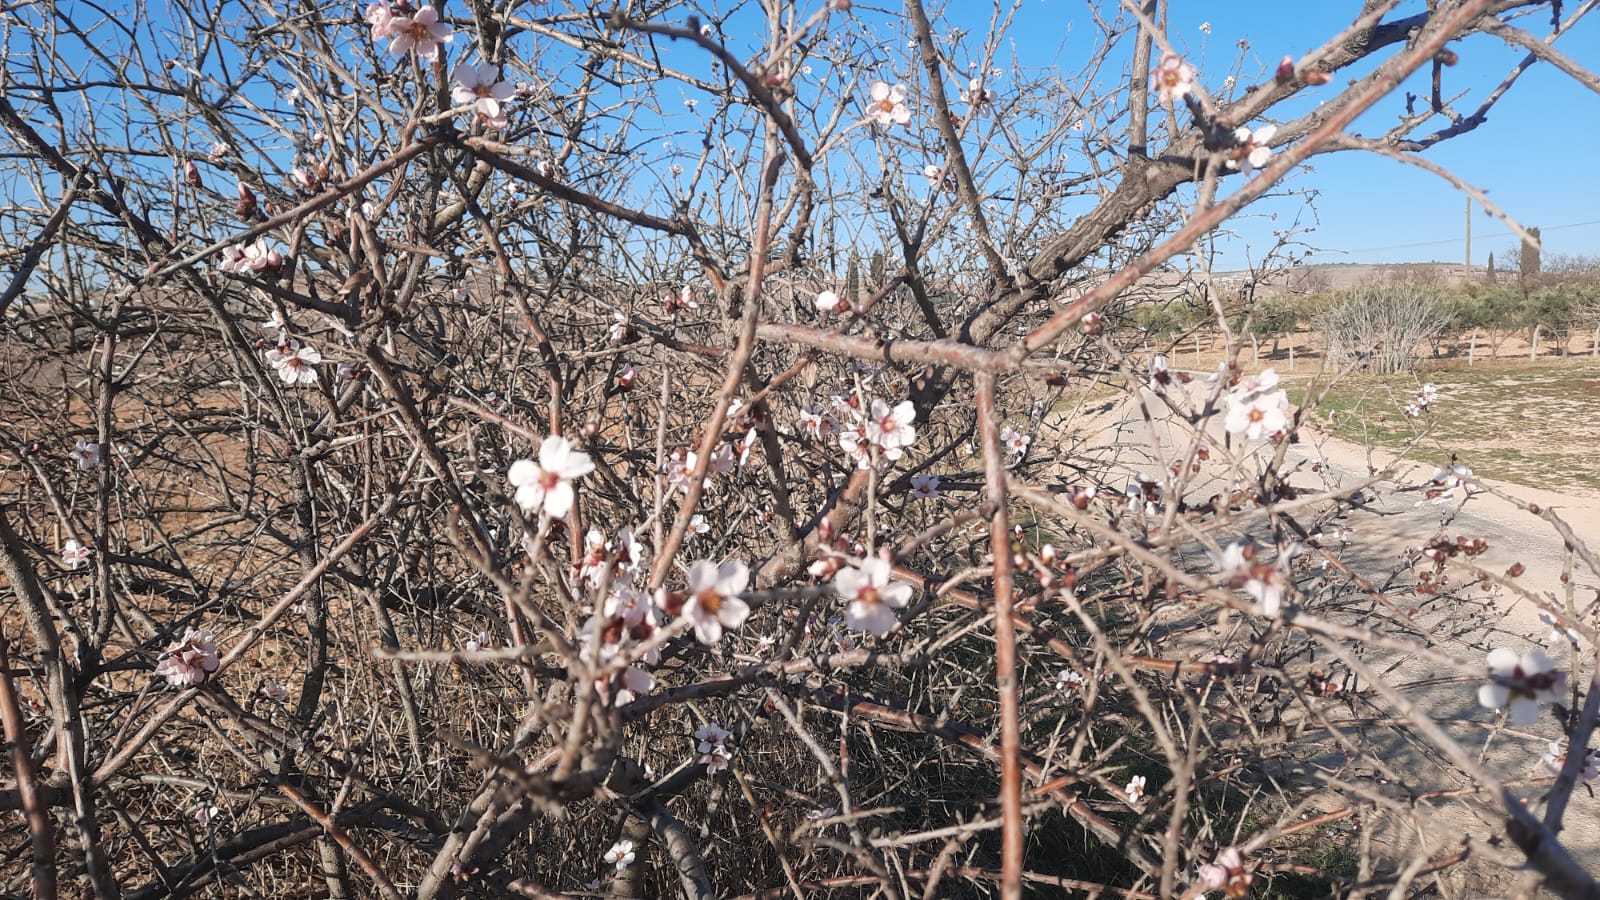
(1285, 70)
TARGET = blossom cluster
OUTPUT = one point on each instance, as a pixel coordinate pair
(727, 457)
(295, 365)
(252, 258)
(1266, 582)
(624, 630)
(712, 745)
(189, 661)
(878, 435)
(1419, 401)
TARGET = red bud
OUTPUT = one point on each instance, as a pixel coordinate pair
(1286, 70)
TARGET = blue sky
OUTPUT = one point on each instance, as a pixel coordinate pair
(1534, 154)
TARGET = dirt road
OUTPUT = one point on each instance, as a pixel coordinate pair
(1377, 538)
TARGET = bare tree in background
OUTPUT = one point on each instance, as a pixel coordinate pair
(1383, 327)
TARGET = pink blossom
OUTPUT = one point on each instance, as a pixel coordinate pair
(620, 855)
(1227, 874)
(1266, 582)
(853, 440)
(422, 31)
(1015, 442)
(256, 256)
(86, 454)
(189, 661)
(830, 302)
(685, 300)
(1560, 632)
(381, 19)
(633, 682)
(1173, 78)
(713, 747)
(74, 554)
(682, 464)
(1557, 758)
(1257, 408)
(480, 85)
(817, 423)
(1160, 375)
(890, 426)
(975, 93)
(1069, 681)
(296, 365)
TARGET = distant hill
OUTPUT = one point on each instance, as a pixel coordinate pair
(1308, 279)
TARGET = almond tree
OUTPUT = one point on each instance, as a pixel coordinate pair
(461, 477)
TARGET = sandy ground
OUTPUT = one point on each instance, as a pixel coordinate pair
(1393, 520)
(1514, 536)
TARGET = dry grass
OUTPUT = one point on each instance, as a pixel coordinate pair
(1527, 423)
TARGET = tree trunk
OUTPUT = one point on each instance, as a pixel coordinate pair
(1291, 356)
(1533, 345)
(1255, 350)
(1594, 346)
(1472, 347)
(1197, 349)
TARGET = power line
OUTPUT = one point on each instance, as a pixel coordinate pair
(1458, 240)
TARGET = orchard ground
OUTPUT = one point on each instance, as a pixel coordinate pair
(1527, 419)
(1527, 430)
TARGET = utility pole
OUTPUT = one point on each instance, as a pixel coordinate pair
(1469, 235)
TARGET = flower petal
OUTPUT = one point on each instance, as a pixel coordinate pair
(1524, 711)
(523, 471)
(558, 500)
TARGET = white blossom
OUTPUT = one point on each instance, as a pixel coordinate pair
(873, 596)
(547, 484)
